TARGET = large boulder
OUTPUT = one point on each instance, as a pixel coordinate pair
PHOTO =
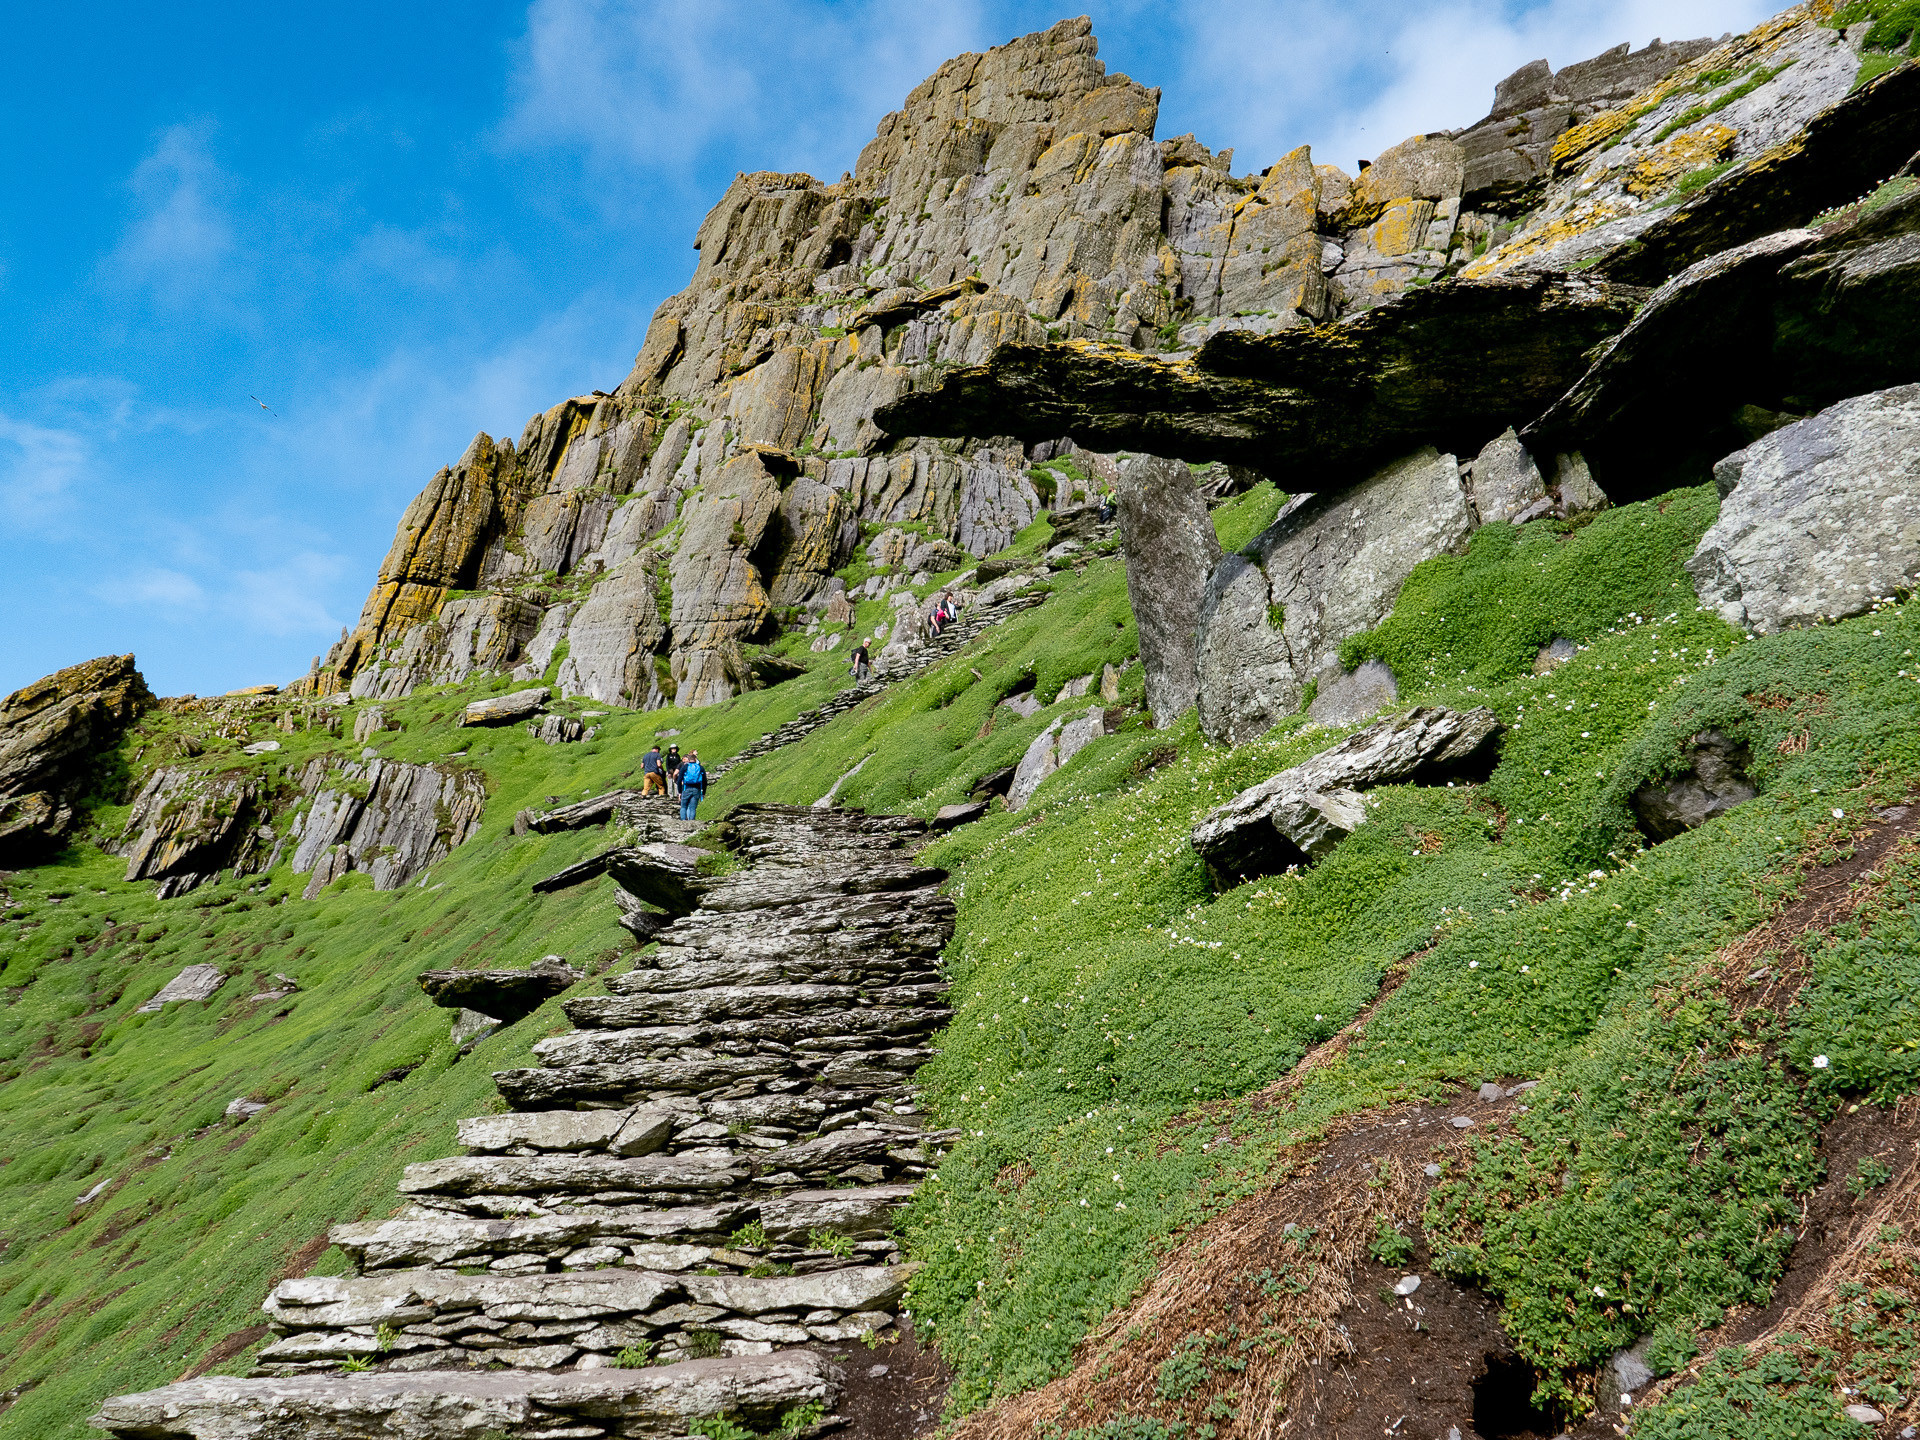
(187, 826)
(1819, 519)
(1710, 782)
(52, 734)
(1330, 566)
(1052, 748)
(1300, 814)
(505, 709)
(1171, 549)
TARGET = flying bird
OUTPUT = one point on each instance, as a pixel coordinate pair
(264, 406)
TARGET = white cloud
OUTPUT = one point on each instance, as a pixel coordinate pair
(1353, 78)
(656, 84)
(288, 598)
(154, 588)
(39, 467)
(181, 240)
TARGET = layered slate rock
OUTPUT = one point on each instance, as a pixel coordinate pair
(1818, 520)
(1788, 323)
(504, 995)
(654, 1403)
(505, 709)
(1300, 814)
(1171, 549)
(708, 1166)
(51, 733)
(1329, 567)
(185, 827)
(1450, 365)
(387, 818)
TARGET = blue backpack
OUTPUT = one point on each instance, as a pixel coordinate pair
(693, 774)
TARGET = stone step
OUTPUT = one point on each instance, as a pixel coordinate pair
(435, 1319)
(636, 1130)
(869, 1027)
(645, 1176)
(885, 973)
(654, 1239)
(733, 1002)
(553, 1089)
(649, 1404)
(768, 887)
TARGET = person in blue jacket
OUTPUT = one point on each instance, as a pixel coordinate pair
(693, 786)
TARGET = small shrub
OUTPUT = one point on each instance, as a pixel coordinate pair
(751, 1236)
(1390, 1246)
(1873, 1173)
(832, 1242)
(703, 1344)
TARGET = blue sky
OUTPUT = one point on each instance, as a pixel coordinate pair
(400, 223)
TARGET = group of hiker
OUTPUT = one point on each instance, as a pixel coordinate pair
(675, 777)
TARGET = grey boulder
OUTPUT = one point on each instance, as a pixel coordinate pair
(505, 995)
(1713, 781)
(504, 709)
(1300, 814)
(1171, 549)
(1818, 519)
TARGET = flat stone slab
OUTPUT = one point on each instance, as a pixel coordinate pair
(1301, 813)
(505, 709)
(548, 1088)
(463, 1404)
(637, 1131)
(446, 1240)
(860, 1287)
(860, 1213)
(196, 982)
(547, 1174)
(506, 995)
(397, 1297)
(720, 1002)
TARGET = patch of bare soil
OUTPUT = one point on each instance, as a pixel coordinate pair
(1293, 1314)
(892, 1391)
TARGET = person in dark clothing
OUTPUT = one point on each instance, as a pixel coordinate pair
(693, 786)
(671, 766)
(651, 778)
(862, 666)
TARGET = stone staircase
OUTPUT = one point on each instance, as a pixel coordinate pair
(683, 1208)
(967, 627)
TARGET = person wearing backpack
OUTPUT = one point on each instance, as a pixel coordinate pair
(693, 786)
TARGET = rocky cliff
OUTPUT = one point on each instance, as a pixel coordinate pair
(637, 546)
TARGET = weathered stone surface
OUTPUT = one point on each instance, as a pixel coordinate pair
(1171, 549)
(613, 638)
(662, 874)
(1712, 780)
(862, 1288)
(51, 732)
(863, 1212)
(504, 709)
(1451, 364)
(1344, 698)
(1819, 519)
(391, 819)
(653, 1403)
(1329, 567)
(1299, 814)
(444, 1240)
(506, 995)
(1051, 749)
(460, 1175)
(188, 825)
(595, 811)
(950, 817)
(1505, 479)
(196, 982)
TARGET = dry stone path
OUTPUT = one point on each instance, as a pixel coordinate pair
(683, 1207)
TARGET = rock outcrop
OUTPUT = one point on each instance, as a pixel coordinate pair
(1785, 324)
(1052, 748)
(1303, 812)
(1819, 519)
(1450, 364)
(503, 995)
(1711, 780)
(52, 735)
(1171, 549)
(708, 1167)
(187, 826)
(1330, 566)
(389, 819)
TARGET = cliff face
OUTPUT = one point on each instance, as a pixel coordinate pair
(646, 540)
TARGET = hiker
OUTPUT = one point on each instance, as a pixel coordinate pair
(671, 766)
(937, 620)
(651, 778)
(861, 664)
(693, 786)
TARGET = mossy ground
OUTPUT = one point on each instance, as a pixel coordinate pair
(1107, 1001)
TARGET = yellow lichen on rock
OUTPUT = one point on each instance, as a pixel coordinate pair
(1658, 169)
(1583, 217)
(1583, 137)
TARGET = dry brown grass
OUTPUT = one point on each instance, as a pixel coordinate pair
(1250, 1299)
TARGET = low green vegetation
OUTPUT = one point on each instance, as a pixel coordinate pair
(1114, 1016)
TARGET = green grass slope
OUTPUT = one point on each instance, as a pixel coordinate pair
(1102, 990)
